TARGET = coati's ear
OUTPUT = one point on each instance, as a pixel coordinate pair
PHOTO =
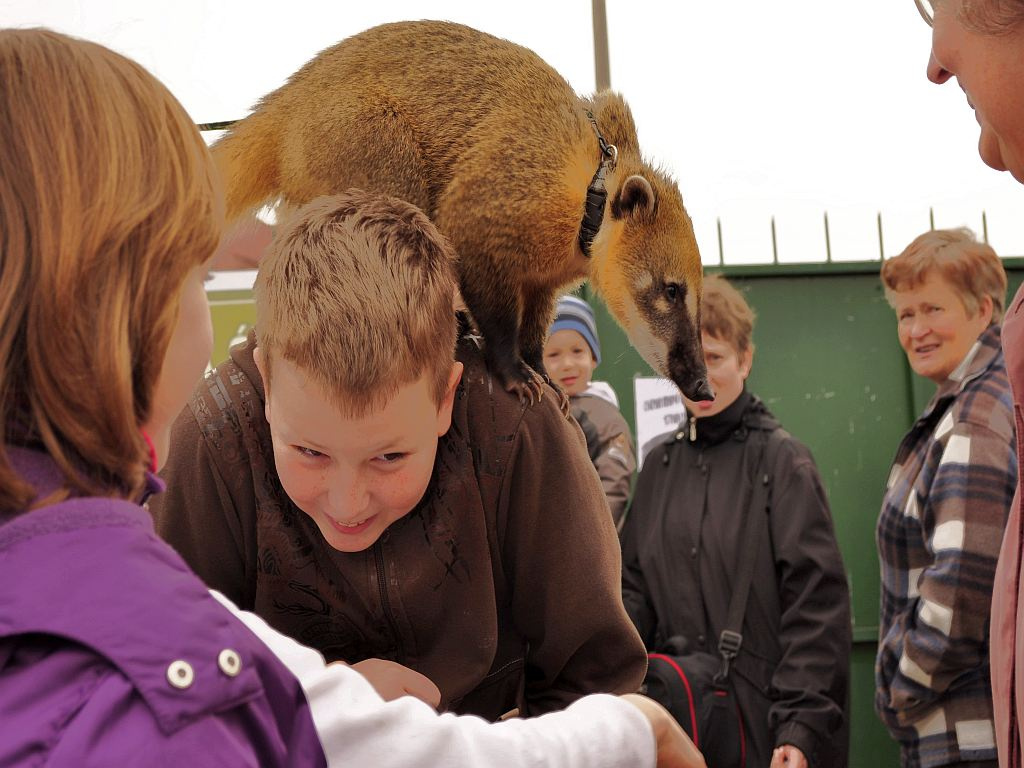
(635, 198)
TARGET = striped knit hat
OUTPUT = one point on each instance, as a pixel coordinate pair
(574, 314)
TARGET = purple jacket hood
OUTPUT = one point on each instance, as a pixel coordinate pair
(93, 571)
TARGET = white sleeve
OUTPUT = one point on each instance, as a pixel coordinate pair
(357, 727)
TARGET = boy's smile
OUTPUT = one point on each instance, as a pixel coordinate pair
(354, 476)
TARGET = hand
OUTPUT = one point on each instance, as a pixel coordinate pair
(392, 681)
(788, 756)
(675, 750)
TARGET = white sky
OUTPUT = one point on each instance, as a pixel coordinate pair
(758, 109)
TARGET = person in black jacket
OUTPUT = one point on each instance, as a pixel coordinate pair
(681, 546)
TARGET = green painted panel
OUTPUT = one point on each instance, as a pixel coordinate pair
(871, 746)
(233, 313)
(828, 364)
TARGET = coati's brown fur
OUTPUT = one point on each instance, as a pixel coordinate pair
(498, 150)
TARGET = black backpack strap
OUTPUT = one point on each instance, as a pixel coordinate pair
(731, 639)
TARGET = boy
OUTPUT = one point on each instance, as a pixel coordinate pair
(571, 354)
(373, 497)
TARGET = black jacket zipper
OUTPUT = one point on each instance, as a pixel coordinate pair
(382, 585)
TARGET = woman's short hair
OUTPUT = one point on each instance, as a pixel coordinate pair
(972, 269)
(992, 17)
(725, 314)
(108, 198)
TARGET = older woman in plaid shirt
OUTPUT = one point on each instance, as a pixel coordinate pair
(946, 505)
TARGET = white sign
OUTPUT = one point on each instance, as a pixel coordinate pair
(659, 409)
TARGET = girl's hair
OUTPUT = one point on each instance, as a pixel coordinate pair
(108, 199)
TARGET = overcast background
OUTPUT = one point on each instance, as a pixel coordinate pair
(758, 109)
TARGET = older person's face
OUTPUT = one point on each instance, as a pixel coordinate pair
(990, 70)
(935, 329)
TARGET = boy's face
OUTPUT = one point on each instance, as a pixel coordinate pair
(569, 361)
(354, 476)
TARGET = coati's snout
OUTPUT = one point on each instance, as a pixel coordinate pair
(686, 368)
(666, 331)
(656, 291)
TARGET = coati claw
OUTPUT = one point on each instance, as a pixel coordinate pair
(525, 382)
(563, 398)
(563, 402)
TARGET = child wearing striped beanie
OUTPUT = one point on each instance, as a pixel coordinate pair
(572, 352)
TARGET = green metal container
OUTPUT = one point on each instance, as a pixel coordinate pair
(828, 364)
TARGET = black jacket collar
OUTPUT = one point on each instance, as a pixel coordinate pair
(745, 413)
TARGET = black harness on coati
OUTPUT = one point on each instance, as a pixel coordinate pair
(597, 194)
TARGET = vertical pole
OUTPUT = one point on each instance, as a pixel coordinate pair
(881, 243)
(828, 242)
(721, 250)
(931, 218)
(984, 227)
(602, 68)
(775, 245)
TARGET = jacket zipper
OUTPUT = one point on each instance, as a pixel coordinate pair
(382, 586)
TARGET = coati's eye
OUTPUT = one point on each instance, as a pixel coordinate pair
(671, 291)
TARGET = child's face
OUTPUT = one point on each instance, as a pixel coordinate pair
(187, 354)
(727, 371)
(354, 476)
(569, 361)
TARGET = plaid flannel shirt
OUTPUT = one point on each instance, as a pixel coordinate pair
(939, 534)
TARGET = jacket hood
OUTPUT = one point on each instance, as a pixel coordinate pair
(86, 564)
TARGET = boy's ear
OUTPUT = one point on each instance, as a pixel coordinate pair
(444, 408)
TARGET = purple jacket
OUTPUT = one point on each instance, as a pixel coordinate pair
(113, 653)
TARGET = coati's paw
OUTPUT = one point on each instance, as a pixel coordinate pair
(525, 382)
(563, 403)
(563, 398)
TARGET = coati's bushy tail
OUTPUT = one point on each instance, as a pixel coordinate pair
(248, 158)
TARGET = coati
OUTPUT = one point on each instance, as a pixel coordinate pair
(495, 146)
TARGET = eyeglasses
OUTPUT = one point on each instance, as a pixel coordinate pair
(924, 7)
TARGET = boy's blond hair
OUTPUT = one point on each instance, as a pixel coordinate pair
(725, 314)
(357, 291)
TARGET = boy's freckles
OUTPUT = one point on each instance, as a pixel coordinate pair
(354, 476)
